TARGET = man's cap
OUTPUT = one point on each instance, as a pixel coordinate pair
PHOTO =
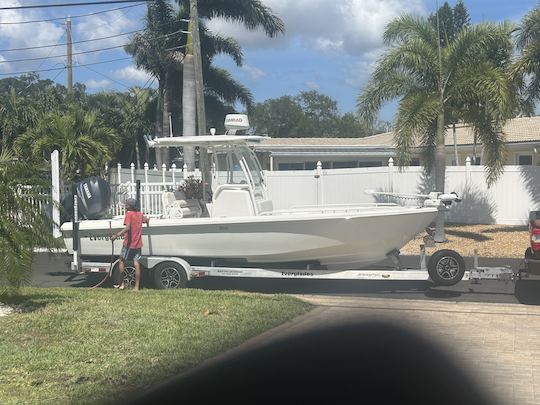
(131, 202)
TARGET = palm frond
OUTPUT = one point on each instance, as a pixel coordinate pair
(407, 27)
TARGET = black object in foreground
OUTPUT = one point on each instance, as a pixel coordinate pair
(370, 363)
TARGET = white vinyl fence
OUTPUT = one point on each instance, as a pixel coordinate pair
(153, 183)
(508, 201)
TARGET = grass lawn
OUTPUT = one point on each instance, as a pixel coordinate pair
(94, 346)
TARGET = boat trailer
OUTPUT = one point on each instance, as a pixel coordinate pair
(444, 268)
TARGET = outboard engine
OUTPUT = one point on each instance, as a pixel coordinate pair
(94, 198)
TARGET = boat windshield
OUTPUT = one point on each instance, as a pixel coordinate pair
(238, 165)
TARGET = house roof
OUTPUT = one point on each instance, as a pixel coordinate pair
(517, 130)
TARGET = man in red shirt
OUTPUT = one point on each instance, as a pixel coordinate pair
(131, 249)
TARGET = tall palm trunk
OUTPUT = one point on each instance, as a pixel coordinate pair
(159, 124)
(165, 127)
(440, 175)
(189, 113)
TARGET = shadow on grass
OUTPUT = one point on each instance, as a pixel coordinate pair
(23, 302)
(468, 235)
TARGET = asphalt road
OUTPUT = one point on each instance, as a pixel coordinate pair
(53, 271)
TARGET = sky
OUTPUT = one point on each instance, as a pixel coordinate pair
(329, 45)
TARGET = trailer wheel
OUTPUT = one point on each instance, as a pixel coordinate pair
(129, 275)
(446, 267)
(170, 275)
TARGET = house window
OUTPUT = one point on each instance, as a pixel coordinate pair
(370, 164)
(291, 166)
(311, 165)
(524, 160)
(344, 165)
(415, 162)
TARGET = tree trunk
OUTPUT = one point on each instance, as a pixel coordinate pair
(159, 124)
(189, 115)
(440, 174)
(166, 128)
(456, 156)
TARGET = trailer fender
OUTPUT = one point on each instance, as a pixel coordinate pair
(153, 261)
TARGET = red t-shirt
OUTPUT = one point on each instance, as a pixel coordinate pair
(133, 239)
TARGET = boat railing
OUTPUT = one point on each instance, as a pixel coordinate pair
(330, 209)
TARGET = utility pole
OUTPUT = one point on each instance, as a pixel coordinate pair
(69, 57)
(199, 83)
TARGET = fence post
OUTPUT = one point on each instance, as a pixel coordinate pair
(318, 177)
(468, 170)
(55, 193)
(146, 188)
(163, 175)
(391, 175)
(132, 186)
(173, 170)
(184, 170)
(119, 171)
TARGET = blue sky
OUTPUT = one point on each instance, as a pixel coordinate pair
(329, 46)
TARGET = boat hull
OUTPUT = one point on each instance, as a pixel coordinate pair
(362, 238)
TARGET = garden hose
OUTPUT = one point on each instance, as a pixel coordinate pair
(109, 273)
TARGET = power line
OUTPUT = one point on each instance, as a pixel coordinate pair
(74, 42)
(53, 69)
(106, 77)
(90, 51)
(87, 40)
(86, 3)
(73, 16)
(61, 56)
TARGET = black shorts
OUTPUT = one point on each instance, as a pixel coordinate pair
(130, 254)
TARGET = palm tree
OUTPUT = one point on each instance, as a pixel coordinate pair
(16, 114)
(467, 78)
(527, 68)
(156, 51)
(132, 114)
(84, 142)
(23, 226)
(220, 88)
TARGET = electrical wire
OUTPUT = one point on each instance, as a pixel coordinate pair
(90, 51)
(72, 16)
(86, 40)
(54, 69)
(105, 76)
(86, 3)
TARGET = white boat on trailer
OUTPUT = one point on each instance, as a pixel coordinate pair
(237, 233)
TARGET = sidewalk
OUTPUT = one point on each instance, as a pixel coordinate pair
(498, 344)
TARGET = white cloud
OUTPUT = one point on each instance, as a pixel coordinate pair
(28, 35)
(353, 26)
(97, 84)
(253, 72)
(313, 86)
(132, 74)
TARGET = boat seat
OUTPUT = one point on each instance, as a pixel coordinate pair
(179, 208)
(233, 200)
